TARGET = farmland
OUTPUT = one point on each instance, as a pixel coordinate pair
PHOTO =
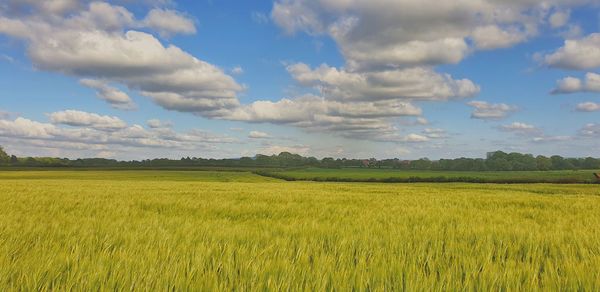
(393, 175)
(153, 230)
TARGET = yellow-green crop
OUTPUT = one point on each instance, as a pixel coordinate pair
(152, 230)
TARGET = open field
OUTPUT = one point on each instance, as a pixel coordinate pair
(394, 175)
(150, 230)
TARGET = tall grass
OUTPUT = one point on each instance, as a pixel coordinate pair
(196, 234)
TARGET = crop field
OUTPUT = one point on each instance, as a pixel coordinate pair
(394, 175)
(153, 230)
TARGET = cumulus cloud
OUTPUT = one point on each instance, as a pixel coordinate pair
(409, 84)
(434, 133)
(97, 43)
(168, 22)
(493, 37)
(573, 84)
(363, 120)
(47, 7)
(559, 19)
(590, 130)
(521, 129)
(158, 124)
(115, 97)
(237, 70)
(386, 33)
(93, 131)
(258, 135)
(588, 107)
(84, 119)
(577, 54)
(549, 139)
(487, 111)
(532, 132)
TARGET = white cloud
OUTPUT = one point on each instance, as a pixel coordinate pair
(568, 85)
(588, 107)
(559, 19)
(96, 44)
(117, 98)
(84, 119)
(549, 139)
(47, 7)
(158, 124)
(521, 129)
(434, 133)
(422, 121)
(591, 83)
(577, 54)
(258, 135)
(93, 131)
(590, 130)
(168, 22)
(400, 33)
(362, 120)
(487, 111)
(237, 70)
(409, 84)
(493, 37)
(414, 138)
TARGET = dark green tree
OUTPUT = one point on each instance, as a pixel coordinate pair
(4, 158)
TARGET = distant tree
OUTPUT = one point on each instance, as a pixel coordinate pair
(559, 163)
(543, 163)
(499, 164)
(4, 158)
(591, 163)
(421, 164)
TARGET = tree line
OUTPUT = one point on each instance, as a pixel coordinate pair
(494, 161)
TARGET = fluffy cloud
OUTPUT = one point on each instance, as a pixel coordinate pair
(559, 19)
(590, 130)
(84, 119)
(487, 111)
(588, 107)
(169, 22)
(363, 120)
(237, 70)
(521, 129)
(409, 84)
(434, 133)
(95, 43)
(276, 149)
(392, 33)
(158, 124)
(573, 85)
(95, 132)
(47, 7)
(550, 139)
(577, 54)
(115, 97)
(258, 135)
(493, 37)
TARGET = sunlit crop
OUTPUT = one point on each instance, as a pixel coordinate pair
(152, 230)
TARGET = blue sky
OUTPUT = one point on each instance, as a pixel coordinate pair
(351, 78)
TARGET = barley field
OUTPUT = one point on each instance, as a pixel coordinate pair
(165, 230)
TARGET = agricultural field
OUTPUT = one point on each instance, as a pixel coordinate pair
(153, 230)
(394, 175)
